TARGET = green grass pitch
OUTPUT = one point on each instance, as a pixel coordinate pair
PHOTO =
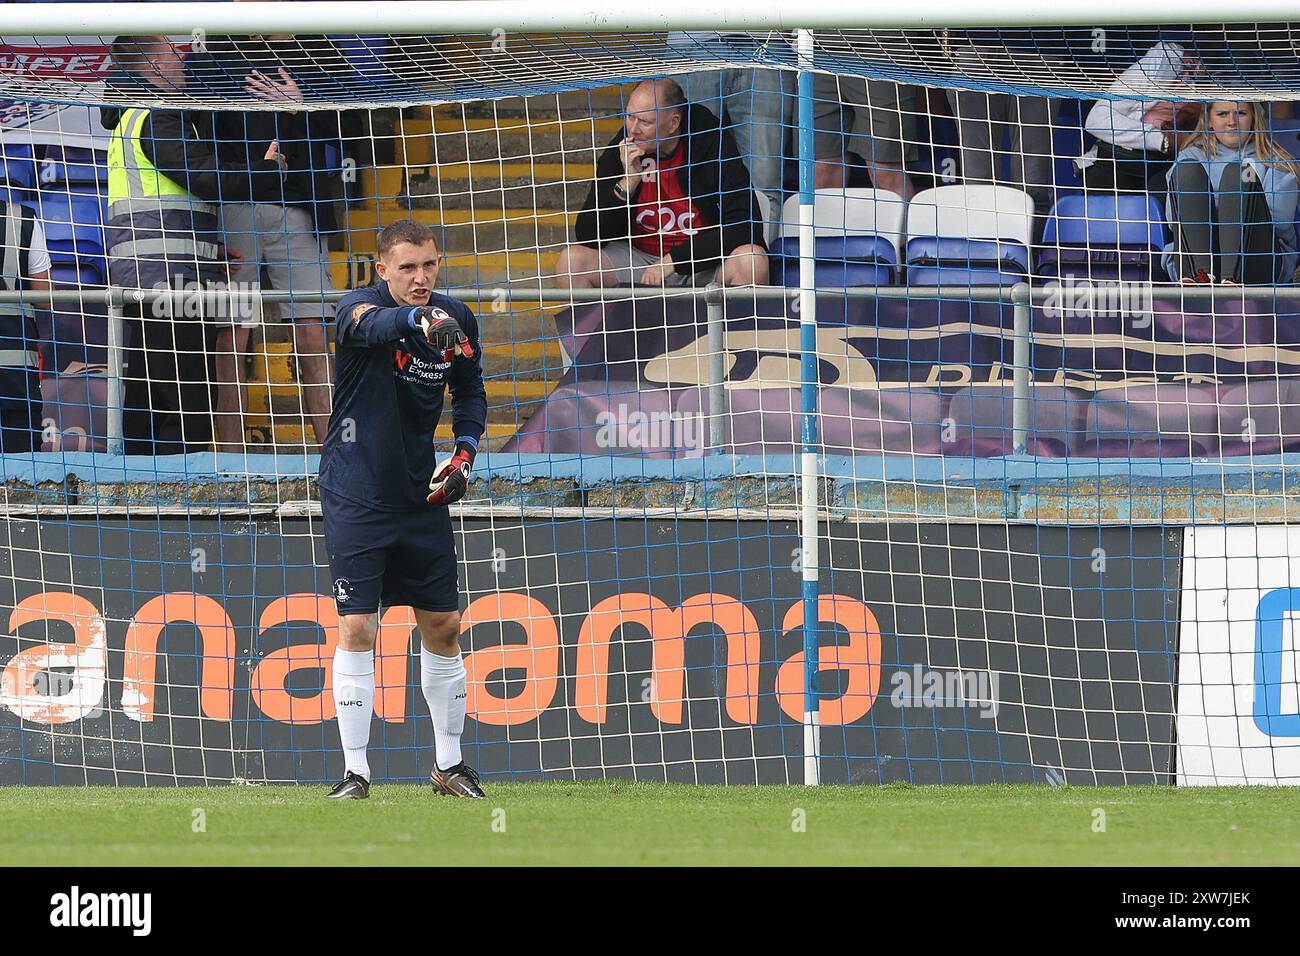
(607, 823)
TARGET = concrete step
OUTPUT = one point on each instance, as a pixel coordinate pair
(465, 231)
(518, 355)
(353, 270)
(490, 269)
(515, 390)
(282, 406)
(461, 236)
(469, 270)
(603, 101)
(526, 325)
(272, 363)
(414, 143)
(387, 183)
(516, 139)
(492, 185)
(370, 220)
(516, 234)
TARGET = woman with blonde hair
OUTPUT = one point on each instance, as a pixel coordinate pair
(1232, 201)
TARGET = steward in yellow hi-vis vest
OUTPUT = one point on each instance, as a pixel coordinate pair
(159, 233)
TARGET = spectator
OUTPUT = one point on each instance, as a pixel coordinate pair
(274, 217)
(671, 205)
(983, 117)
(876, 119)
(162, 233)
(1232, 202)
(1136, 138)
(753, 104)
(26, 268)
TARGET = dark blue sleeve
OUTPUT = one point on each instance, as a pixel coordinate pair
(468, 396)
(377, 326)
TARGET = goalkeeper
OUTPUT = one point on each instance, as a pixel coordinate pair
(384, 501)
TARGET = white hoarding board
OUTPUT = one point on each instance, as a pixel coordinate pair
(1238, 692)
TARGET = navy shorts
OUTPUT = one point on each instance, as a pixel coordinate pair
(389, 558)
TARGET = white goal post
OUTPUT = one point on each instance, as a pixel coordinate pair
(609, 16)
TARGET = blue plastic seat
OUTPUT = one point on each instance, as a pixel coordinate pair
(1103, 236)
(85, 271)
(17, 167)
(73, 164)
(15, 194)
(969, 235)
(74, 226)
(944, 260)
(856, 238)
(841, 261)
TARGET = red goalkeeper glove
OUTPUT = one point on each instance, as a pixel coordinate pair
(450, 479)
(442, 331)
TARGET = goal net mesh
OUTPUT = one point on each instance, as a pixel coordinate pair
(1053, 463)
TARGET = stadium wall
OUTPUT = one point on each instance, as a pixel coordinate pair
(198, 647)
(1119, 491)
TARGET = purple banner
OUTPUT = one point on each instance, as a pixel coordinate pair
(1113, 375)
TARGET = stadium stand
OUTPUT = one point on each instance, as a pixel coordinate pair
(498, 176)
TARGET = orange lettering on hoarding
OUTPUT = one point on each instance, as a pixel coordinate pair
(87, 656)
(859, 658)
(668, 628)
(140, 668)
(539, 658)
(269, 679)
(392, 654)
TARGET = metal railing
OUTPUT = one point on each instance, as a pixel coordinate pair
(1021, 296)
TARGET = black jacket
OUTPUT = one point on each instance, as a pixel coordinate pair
(181, 144)
(219, 72)
(716, 181)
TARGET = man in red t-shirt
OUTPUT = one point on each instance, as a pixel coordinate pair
(672, 204)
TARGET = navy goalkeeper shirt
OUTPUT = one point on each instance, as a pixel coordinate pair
(388, 397)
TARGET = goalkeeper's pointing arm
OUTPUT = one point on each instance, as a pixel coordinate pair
(368, 325)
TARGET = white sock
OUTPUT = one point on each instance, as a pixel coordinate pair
(443, 682)
(354, 699)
